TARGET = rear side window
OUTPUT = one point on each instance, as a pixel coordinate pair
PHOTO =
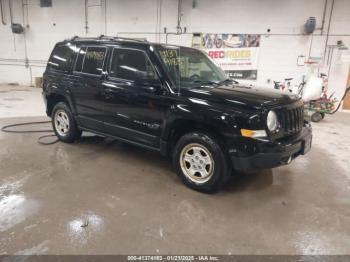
(62, 58)
(125, 62)
(90, 60)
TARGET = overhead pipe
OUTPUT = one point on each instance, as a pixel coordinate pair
(86, 17)
(330, 60)
(25, 39)
(11, 20)
(179, 7)
(160, 18)
(11, 13)
(2, 13)
(157, 19)
(324, 16)
(36, 61)
(27, 13)
(179, 30)
(87, 14)
(257, 33)
(105, 14)
(7, 64)
(310, 47)
(329, 27)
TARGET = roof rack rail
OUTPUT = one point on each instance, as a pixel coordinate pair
(103, 37)
(132, 39)
(106, 37)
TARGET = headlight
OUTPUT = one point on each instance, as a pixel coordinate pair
(272, 121)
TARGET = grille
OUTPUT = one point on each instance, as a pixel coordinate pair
(292, 120)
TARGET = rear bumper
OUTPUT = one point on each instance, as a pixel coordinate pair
(269, 154)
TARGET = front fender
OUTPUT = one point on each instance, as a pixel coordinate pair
(220, 121)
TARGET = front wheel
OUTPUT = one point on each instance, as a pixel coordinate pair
(316, 117)
(64, 124)
(200, 162)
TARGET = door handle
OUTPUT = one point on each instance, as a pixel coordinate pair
(108, 93)
(109, 89)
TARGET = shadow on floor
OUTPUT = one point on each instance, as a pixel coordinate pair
(256, 181)
(238, 182)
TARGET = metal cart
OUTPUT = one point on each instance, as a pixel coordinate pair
(317, 109)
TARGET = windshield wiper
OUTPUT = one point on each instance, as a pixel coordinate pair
(208, 82)
(227, 81)
(205, 82)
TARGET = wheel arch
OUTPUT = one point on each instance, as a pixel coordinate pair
(53, 99)
(180, 127)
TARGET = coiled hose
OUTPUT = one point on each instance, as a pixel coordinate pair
(6, 130)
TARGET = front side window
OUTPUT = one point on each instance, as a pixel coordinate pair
(62, 57)
(90, 60)
(189, 67)
(127, 62)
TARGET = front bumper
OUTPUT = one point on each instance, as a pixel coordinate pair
(268, 154)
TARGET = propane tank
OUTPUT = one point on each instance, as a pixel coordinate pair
(310, 25)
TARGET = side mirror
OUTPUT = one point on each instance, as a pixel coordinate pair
(147, 82)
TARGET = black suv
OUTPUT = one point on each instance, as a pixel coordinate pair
(173, 100)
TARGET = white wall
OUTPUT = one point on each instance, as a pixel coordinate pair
(138, 18)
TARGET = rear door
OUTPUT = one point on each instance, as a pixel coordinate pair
(89, 73)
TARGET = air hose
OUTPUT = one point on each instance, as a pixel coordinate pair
(341, 100)
(6, 130)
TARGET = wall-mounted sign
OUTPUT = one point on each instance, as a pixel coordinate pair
(236, 54)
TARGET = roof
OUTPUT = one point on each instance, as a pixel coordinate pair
(108, 39)
(102, 39)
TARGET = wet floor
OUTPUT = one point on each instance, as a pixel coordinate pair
(99, 196)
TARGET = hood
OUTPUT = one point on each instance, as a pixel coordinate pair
(239, 95)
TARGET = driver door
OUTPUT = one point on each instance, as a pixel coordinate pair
(133, 112)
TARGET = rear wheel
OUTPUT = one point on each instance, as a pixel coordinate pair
(200, 162)
(64, 124)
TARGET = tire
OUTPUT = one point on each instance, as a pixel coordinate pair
(316, 117)
(218, 43)
(64, 124)
(195, 152)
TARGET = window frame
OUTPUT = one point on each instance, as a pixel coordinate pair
(87, 49)
(128, 48)
(76, 60)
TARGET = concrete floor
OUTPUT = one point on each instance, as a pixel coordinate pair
(18, 101)
(98, 196)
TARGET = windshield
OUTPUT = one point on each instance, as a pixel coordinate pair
(189, 67)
